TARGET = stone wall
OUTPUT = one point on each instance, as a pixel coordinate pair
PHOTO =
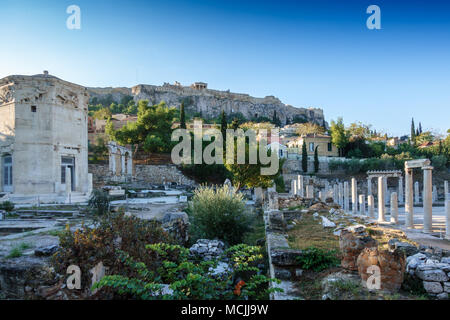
(153, 174)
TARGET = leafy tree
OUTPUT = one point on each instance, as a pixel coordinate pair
(338, 135)
(152, 132)
(304, 158)
(223, 127)
(309, 128)
(316, 159)
(182, 117)
(102, 114)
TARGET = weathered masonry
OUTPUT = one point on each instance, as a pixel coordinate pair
(43, 136)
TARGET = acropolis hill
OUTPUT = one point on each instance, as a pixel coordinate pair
(198, 98)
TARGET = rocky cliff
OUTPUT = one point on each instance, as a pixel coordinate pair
(210, 103)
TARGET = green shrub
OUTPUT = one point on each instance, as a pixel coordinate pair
(87, 246)
(279, 184)
(439, 162)
(99, 202)
(8, 206)
(218, 214)
(190, 280)
(318, 259)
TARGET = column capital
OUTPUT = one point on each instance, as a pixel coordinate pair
(428, 168)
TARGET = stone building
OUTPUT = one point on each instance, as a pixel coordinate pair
(43, 137)
(326, 147)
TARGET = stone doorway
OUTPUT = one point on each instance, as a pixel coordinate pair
(68, 163)
(7, 173)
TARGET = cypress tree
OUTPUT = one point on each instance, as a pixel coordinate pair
(304, 158)
(316, 160)
(182, 117)
(223, 127)
(413, 132)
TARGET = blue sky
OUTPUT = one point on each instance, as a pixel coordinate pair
(316, 53)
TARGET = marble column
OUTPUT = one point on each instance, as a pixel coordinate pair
(362, 204)
(346, 197)
(354, 196)
(394, 208)
(427, 199)
(386, 191)
(447, 224)
(293, 187)
(435, 194)
(446, 195)
(381, 201)
(309, 191)
(341, 194)
(321, 196)
(409, 199)
(400, 190)
(371, 206)
(68, 181)
(336, 193)
(369, 186)
(300, 186)
(416, 193)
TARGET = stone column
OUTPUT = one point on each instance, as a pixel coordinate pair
(447, 224)
(386, 191)
(112, 163)
(90, 185)
(446, 195)
(394, 208)
(435, 194)
(369, 186)
(416, 193)
(409, 199)
(427, 199)
(336, 193)
(346, 197)
(341, 194)
(321, 196)
(300, 186)
(362, 204)
(354, 196)
(68, 181)
(371, 206)
(293, 187)
(130, 165)
(310, 191)
(122, 160)
(381, 201)
(400, 190)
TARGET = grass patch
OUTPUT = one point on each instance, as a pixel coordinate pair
(18, 250)
(309, 233)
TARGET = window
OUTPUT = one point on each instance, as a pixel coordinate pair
(281, 153)
(330, 147)
(311, 146)
(33, 108)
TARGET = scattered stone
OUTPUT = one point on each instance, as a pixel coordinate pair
(282, 274)
(285, 257)
(436, 275)
(357, 228)
(46, 251)
(207, 249)
(432, 287)
(442, 296)
(327, 223)
(351, 246)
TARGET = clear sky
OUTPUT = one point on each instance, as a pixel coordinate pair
(307, 53)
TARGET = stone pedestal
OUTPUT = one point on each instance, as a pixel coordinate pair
(371, 206)
(354, 196)
(362, 204)
(381, 200)
(427, 199)
(394, 208)
(409, 205)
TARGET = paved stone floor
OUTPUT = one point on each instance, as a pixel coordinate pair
(416, 234)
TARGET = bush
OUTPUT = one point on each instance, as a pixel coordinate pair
(86, 247)
(318, 259)
(99, 202)
(218, 214)
(191, 280)
(439, 162)
(279, 184)
(8, 206)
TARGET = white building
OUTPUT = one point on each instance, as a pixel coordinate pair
(43, 132)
